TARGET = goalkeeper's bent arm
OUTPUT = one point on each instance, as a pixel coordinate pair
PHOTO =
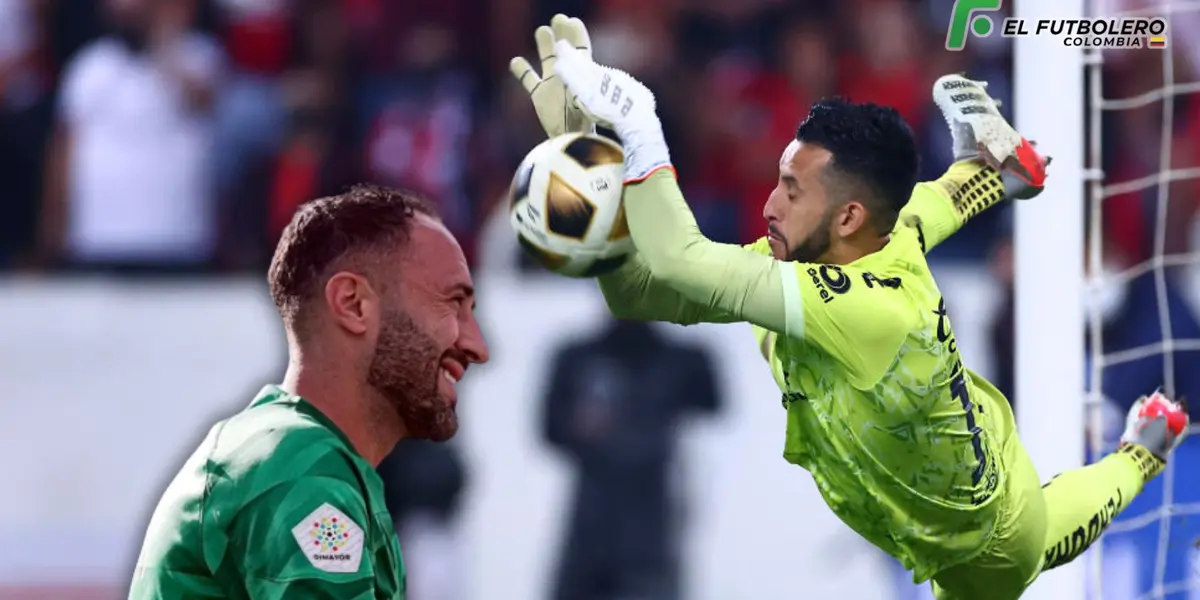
(705, 280)
(939, 208)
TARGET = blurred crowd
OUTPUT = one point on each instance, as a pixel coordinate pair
(179, 135)
(182, 133)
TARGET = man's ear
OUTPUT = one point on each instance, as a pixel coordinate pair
(852, 218)
(352, 303)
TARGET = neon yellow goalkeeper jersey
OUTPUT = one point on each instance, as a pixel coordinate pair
(900, 438)
(905, 444)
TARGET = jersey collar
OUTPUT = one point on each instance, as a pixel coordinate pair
(273, 394)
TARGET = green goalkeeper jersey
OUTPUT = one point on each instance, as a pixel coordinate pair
(904, 443)
(274, 504)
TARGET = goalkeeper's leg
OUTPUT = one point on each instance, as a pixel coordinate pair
(1013, 556)
(1047, 527)
(1081, 503)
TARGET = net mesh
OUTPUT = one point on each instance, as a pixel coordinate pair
(1150, 551)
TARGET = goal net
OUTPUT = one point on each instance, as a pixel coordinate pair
(1143, 280)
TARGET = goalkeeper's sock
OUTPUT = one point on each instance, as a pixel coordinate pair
(1081, 503)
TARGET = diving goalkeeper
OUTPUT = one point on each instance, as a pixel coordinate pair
(907, 446)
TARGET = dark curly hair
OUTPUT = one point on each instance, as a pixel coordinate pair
(874, 158)
(355, 229)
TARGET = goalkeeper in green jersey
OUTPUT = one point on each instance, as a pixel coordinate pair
(282, 501)
(908, 447)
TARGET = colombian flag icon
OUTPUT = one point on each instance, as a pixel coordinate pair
(1157, 42)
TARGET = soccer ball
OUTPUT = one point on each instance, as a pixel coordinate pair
(565, 205)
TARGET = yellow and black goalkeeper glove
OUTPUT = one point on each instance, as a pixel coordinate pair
(555, 105)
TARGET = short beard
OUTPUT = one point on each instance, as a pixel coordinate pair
(816, 244)
(405, 370)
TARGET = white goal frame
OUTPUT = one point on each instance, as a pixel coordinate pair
(1051, 103)
(1048, 241)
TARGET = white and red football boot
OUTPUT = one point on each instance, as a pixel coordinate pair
(980, 131)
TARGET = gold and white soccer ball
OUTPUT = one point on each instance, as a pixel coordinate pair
(565, 205)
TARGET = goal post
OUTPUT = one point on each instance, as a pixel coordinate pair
(1049, 257)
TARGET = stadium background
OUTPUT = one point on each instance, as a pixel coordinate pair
(133, 313)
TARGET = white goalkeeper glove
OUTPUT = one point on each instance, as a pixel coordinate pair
(613, 98)
(554, 104)
(980, 132)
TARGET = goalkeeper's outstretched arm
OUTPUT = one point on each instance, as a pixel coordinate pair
(733, 283)
(936, 210)
(724, 278)
(745, 284)
(992, 163)
(633, 292)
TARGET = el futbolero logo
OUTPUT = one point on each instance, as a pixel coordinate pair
(974, 17)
